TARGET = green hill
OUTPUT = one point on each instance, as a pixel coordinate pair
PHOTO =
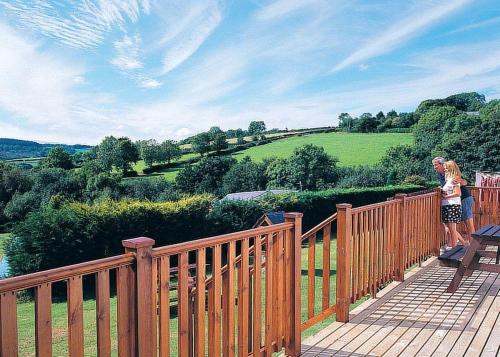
(18, 149)
(350, 148)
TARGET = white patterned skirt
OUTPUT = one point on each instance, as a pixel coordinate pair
(451, 213)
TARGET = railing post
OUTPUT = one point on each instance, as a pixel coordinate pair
(142, 247)
(344, 228)
(401, 248)
(439, 226)
(294, 345)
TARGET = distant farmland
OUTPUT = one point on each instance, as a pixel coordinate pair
(350, 148)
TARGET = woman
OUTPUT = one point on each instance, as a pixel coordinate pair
(451, 204)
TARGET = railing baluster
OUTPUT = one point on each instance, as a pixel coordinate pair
(216, 300)
(165, 306)
(326, 266)
(199, 343)
(124, 312)
(311, 273)
(75, 317)
(354, 257)
(103, 314)
(243, 303)
(269, 292)
(228, 300)
(8, 324)
(257, 291)
(43, 320)
(182, 303)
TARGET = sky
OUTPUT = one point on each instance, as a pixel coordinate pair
(77, 71)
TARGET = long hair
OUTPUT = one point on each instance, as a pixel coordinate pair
(452, 171)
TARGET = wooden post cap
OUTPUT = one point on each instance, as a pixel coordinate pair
(139, 242)
(343, 205)
(293, 215)
(400, 195)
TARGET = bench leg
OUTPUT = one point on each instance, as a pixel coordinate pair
(466, 266)
(457, 278)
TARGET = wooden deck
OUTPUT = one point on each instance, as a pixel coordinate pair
(418, 318)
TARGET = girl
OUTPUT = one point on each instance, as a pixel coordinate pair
(451, 205)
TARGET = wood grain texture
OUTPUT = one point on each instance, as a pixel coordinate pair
(43, 320)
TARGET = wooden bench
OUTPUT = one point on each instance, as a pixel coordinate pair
(488, 235)
(452, 257)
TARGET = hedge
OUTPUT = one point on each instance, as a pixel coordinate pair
(78, 232)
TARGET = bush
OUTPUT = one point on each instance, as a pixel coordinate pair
(414, 180)
(76, 232)
(363, 176)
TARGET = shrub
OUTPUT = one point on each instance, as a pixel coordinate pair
(79, 232)
(66, 234)
(363, 176)
(414, 180)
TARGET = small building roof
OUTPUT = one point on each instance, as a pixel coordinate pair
(252, 195)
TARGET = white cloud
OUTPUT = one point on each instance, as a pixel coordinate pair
(127, 53)
(280, 8)
(196, 22)
(86, 26)
(480, 24)
(32, 85)
(401, 32)
(149, 83)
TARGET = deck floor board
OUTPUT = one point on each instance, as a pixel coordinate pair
(418, 318)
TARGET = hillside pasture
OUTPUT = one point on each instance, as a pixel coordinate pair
(350, 148)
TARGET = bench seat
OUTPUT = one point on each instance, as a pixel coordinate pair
(451, 258)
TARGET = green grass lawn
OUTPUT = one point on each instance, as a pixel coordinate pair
(350, 148)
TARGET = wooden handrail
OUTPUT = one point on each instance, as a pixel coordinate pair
(222, 239)
(59, 274)
(319, 226)
(374, 205)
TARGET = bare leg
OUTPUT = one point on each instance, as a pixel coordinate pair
(456, 235)
(469, 223)
(447, 235)
(453, 238)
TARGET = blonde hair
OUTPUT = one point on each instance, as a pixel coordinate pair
(452, 171)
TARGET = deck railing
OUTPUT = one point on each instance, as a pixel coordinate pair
(239, 293)
(73, 276)
(322, 232)
(243, 297)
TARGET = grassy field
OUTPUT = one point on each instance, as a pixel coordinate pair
(350, 148)
(26, 314)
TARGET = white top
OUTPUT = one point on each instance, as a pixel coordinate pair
(448, 189)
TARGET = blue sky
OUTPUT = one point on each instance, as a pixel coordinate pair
(76, 71)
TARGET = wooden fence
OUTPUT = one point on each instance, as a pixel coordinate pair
(377, 243)
(234, 294)
(240, 293)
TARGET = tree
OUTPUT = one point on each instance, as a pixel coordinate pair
(169, 151)
(309, 168)
(149, 151)
(346, 122)
(244, 176)
(256, 128)
(119, 153)
(214, 131)
(219, 142)
(129, 153)
(366, 123)
(57, 157)
(205, 176)
(201, 143)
